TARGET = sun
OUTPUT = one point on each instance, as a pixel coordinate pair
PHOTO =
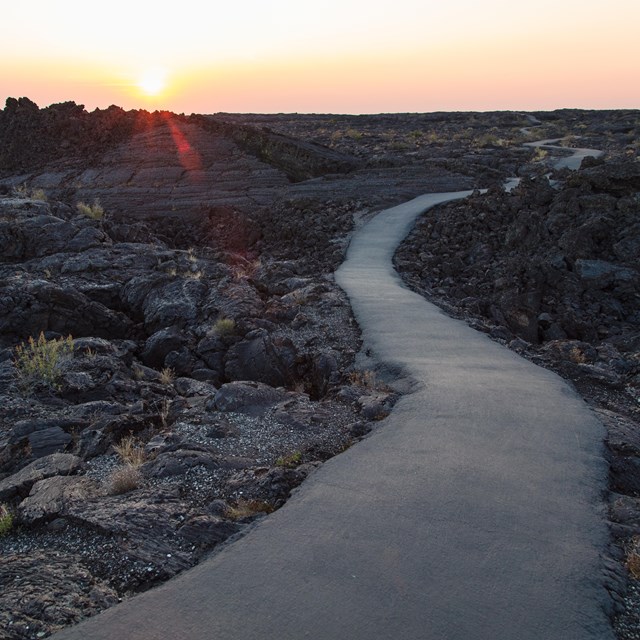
(153, 81)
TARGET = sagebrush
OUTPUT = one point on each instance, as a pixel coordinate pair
(38, 361)
(94, 211)
(224, 326)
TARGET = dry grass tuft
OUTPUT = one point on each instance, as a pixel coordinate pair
(247, 508)
(93, 211)
(633, 557)
(224, 326)
(124, 479)
(167, 375)
(138, 373)
(131, 451)
(367, 379)
(363, 378)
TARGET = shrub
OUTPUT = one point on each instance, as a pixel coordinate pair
(540, 154)
(6, 520)
(246, 508)
(167, 375)
(633, 564)
(224, 326)
(299, 297)
(94, 211)
(163, 412)
(131, 451)
(22, 191)
(363, 378)
(124, 479)
(633, 557)
(290, 461)
(367, 379)
(39, 360)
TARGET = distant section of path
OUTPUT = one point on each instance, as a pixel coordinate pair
(570, 162)
(473, 513)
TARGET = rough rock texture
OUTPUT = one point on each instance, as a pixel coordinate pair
(44, 591)
(56, 464)
(48, 498)
(545, 264)
(212, 360)
(187, 322)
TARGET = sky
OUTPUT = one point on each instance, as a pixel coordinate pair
(328, 56)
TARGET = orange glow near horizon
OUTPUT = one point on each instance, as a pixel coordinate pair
(351, 57)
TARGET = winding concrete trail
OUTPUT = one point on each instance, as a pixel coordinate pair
(473, 513)
(569, 162)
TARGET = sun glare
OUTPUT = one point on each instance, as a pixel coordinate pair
(153, 81)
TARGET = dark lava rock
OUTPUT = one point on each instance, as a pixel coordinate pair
(26, 308)
(263, 359)
(246, 396)
(174, 463)
(159, 345)
(269, 485)
(56, 464)
(48, 498)
(189, 387)
(207, 530)
(549, 263)
(47, 590)
(624, 473)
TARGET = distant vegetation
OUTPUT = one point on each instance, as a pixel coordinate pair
(94, 211)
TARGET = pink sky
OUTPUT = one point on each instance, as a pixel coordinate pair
(340, 57)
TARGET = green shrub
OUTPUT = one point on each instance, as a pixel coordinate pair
(94, 211)
(6, 520)
(224, 326)
(38, 361)
(540, 154)
(290, 461)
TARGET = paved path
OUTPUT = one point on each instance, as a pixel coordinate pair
(473, 513)
(569, 162)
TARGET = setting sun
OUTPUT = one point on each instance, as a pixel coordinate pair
(355, 57)
(153, 81)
